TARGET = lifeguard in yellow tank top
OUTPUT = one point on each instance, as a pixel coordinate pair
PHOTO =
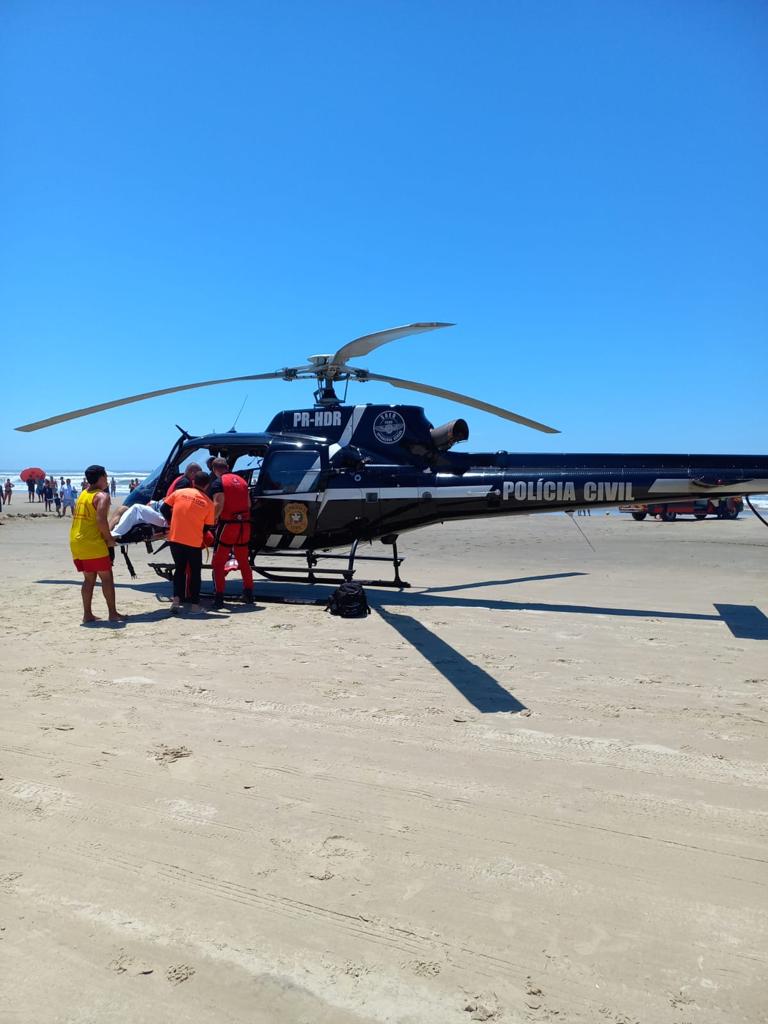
(91, 542)
(85, 539)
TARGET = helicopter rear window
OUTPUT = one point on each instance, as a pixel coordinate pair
(288, 472)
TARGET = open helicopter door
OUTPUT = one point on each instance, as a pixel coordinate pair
(288, 492)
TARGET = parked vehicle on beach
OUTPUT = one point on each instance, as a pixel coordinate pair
(700, 508)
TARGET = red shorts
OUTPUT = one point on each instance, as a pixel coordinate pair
(93, 564)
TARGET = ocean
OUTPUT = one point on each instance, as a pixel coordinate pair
(122, 476)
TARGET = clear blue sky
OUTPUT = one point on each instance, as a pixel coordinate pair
(203, 189)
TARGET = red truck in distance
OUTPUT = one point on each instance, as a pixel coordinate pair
(699, 508)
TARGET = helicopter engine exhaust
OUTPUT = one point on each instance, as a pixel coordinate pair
(449, 434)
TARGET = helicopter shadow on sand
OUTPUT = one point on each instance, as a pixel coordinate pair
(481, 689)
(474, 683)
(745, 621)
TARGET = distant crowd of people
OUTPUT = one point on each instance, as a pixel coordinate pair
(56, 495)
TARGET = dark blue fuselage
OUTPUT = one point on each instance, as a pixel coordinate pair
(325, 477)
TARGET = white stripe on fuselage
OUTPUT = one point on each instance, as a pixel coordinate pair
(345, 493)
(346, 436)
(352, 425)
(685, 486)
(310, 476)
(348, 431)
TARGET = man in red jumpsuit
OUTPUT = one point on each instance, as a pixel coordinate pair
(232, 504)
(185, 479)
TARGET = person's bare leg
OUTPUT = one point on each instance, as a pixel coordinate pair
(89, 582)
(108, 589)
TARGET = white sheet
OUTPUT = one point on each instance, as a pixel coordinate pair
(138, 514)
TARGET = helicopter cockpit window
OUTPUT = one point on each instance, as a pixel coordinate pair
(248, 467)
(199, 456)
(288, 472)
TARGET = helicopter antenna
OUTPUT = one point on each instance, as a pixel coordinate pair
(232, 428)
(586, 538)
(762, 520)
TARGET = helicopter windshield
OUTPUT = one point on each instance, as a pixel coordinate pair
(143, 494)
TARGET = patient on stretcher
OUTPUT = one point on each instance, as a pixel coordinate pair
(136, 516)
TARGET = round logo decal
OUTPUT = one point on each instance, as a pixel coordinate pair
(388, 427)
(296, 517)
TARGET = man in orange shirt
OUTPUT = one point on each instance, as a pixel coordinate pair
(185, 479)
(191, 512)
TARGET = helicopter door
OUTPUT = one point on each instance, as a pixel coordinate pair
(288, 497)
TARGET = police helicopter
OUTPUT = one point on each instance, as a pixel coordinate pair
(338, 475)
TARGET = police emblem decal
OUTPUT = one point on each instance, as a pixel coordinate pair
(388, 427)
(296, 517)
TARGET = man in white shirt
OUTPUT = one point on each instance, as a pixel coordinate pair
(68, 499)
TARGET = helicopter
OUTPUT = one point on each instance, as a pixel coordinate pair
(336, 475)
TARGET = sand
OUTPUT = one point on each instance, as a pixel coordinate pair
(533, 788)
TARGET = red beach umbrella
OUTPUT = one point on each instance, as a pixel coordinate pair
(32, 473)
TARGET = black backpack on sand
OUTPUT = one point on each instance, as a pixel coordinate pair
(349, 601)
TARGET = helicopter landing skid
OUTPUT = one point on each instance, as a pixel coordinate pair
(312, 572)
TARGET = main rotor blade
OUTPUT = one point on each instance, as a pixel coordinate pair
(427, 389)
(77, 413)
(368, 342)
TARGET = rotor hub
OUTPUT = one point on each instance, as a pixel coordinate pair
(325, 396)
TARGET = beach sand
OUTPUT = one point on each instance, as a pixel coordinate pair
(532, 788)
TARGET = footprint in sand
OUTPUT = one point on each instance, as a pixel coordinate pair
(353, 970)
(167, 755)
(425, 968)
(188, 812)
(483, 1007)
(179, 973)
(340, 846)
(8, 881)
(39, 799)
(126, 964)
